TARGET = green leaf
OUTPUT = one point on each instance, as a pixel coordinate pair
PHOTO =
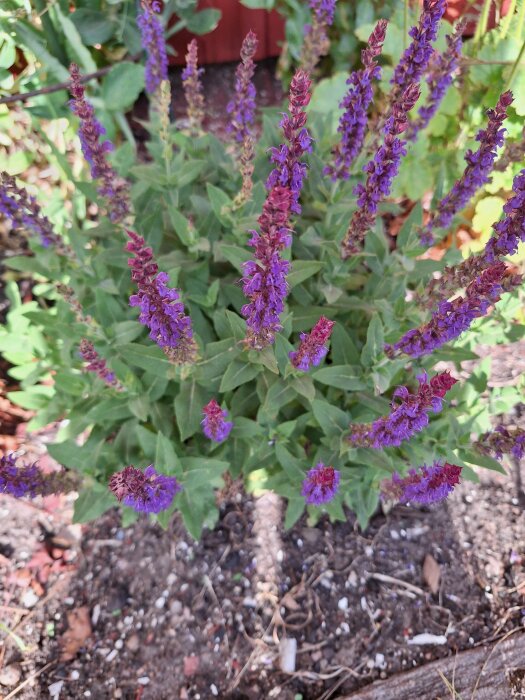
(31, 39)
(188, 408)
(341, 376)
(375, 341)
(302, 270)
(259, 4)
(94, 27)
(204, 21)
(294, 510)
(472, 457)
(238, 373)
(34, 398)
(234, 254)
(93, 502)
(304, 386)
(166, 459)
(122, 85)
(279, 394)
(218, 200)
(148, 357)
(292, 466)
(75, 46)
(343, 350)
(332, 420)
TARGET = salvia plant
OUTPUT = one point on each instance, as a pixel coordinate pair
(240, 306)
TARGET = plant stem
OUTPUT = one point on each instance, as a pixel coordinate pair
(515, 66)
(505, 25)
(521, 20)
(481, 29)
(405, 23)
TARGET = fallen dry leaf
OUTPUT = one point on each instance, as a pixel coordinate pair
(431, 573)
(191, 664)
(79, 630)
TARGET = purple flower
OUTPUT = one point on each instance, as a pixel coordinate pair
(416, 56)
(511, 230)
(320, 485)
(407, 417)
(313, 346)
(316, 42)
(97, 364)
(19, 481)
(114, 189)
(353, 122)
(290, 172)
(193, 88)
(439, 79)
(454, 317)
(476, 174)
(242, 107)
(381, 171)
(264, 281)
(214, 426)
(426, 485)
(152, 36)
(17, 205)
(160, 308)
(145, 491)
(503, 441)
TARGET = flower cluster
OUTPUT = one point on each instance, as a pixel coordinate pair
(242, 107)
(426, 485)
(152, 36)
(440, 77)
(503, 441)
(97, 364)
(406, 418)
(452, 318)
(193, 88)
(160, 308)
(214, 425)
(290, 171)
(114, 189)
(17, 205)
(313, 346)
(353, 121)
(264, 281)
(145, 491)
(320, 485)
(30, 481)
(476, 173)
(316, 42)
(417, 55)
(381, 171)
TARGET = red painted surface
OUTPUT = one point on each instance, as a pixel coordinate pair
(224, 43)
(460, 8)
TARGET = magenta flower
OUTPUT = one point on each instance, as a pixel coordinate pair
(97, 364)
(160, 308)
(313, 346)
(426, 485)
(17, 205)
(381, 171)
(452, 318)
(114, 189)
(193, 88)
(290, 171)
(320, 485)
(264, 281)
(144, 491)
(476, 174)
(242, 108)
(152, 36)
(214, 425)
(354, 120)
(407, 417)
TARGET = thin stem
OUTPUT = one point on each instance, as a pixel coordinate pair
(515, 66)
(505, 25)
(405, 23)
(521, 21)
(481, 29)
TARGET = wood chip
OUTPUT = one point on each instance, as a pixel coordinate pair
(431, 573)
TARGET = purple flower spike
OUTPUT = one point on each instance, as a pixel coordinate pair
(354, 120)
(453, 318)
(290, 171)
(503, 441)
(19, 481)
(320, 485)
(214, 426)
(145, 491)
(426, 485)
(407, 417)
(97, 364)
(416, 57)
(152, 35)
(316, 42)
(193, 88)
(381, 171)
(160, 308)
(242, 107)
(509, 232)
(264, 281)
(313, 346)
(441, 74)
(17, 205)
(477, 172)
(113, 189)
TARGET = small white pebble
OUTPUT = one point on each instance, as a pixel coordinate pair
(143, 680)
(128, 620)
(280, 556)
(95, 614)
(112, 655)
(394, 534)
(345, 627)
(119, 644)
(69, 600)
(160, 602)
(170, 580)
(87, 693)
(30, 598)
(299, 542)
(74, 676)
(214, 690)
(380, 661)
(343, 603)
